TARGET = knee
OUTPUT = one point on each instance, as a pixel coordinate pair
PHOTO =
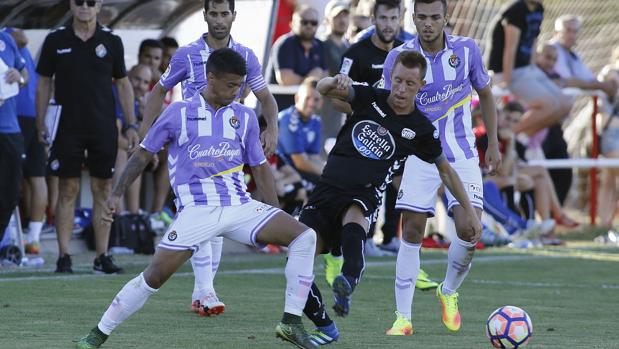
(413, 227)
(68, 191)
(101, 188)
(306, 241)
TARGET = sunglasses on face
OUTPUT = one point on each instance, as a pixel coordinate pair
(90, 3)
(313, 23)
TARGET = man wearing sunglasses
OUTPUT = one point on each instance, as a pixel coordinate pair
(82, 60)
(299, 54)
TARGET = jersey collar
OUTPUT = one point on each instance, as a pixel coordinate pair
(448, 44)
(231, 42)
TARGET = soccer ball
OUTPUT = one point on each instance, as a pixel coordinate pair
(509, 327)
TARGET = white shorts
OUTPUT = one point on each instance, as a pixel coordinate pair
(421, 181)
(197, 224)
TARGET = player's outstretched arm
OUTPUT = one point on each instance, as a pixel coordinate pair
(136, 164)
(452, 182)
(152, 109)
(338, 87)
(265, 182)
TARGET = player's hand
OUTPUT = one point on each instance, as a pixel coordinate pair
(107, 216)
(268, 138)
(474, 223)
(43, 134)
(12, 75)
(342, 82)
(132, 138)
(493, 158)
(155, 162)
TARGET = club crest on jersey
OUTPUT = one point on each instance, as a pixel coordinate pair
(372, 140)
(400, 194)
(454, 61)
(408, 133)
(435, 134)
(100, 51)
(172, 236)
(2, 46)
(234, 122)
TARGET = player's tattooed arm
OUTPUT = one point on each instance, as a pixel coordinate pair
(133, 169)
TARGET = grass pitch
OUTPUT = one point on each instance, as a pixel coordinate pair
(570, 294)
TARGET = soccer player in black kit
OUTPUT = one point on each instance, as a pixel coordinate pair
(383, 130)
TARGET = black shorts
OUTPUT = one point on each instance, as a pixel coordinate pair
(327, 205)
(34, 165)
(96, 148)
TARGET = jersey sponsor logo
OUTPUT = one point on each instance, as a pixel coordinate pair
(408, 133)
(378, 110)
(2, 46)
(100, 51)
(346, 65)
(172, 235)
(223, 150)
(62, 51)
(448, 91)
(263, 208)
(454, 61)
(372, 140)
(435, 134)
(234, 122)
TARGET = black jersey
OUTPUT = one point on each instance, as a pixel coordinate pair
(363, 62)
(374, 141)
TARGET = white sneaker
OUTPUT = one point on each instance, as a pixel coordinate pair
(211, 305)
(371, 250)
(392, 246)
(535, 230)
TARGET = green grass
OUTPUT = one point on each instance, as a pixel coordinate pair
(571, 300)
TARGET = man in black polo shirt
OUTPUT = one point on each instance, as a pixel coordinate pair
(383, 130)
(84, 58)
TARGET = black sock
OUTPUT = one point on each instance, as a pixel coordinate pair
(291, 319)
(315, 308)
(527, 203)
(336, 248)
(353, 238)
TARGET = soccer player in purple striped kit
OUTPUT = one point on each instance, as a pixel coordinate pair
(187, 66)
(455, 68)
(210, 138)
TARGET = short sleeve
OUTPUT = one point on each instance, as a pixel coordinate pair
(284, 57)
(47, 60)
(252, 154)
(428, 145)
(163, 130)
(118, 55)
(388, 67)
(176, 71)
(363, 96)
(19, 62)
(478, 73)
(255, 80)
(515, 16)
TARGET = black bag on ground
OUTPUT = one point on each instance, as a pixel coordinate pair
(131, 231)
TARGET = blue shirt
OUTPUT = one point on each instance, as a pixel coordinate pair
(403, 35)
(9, 53)
(289, 53)
(297, 136)
(25, 98)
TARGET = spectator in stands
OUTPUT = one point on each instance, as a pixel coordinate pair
(337, 18)
(83, 87)
(35, 187)
(11, 139)
(511, 38)
(361, 18)
(151, 54)
(170, 45)
(401, 34)
(610, 145)
(299, 132)
(299, 54)
(140, 77)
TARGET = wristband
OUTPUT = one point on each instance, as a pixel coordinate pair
(130, 126)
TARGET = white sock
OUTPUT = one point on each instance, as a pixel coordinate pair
(34, 231)
(299, 271)
(202, 271)
(459, 259)
(129, 300)
(406, 271)
(217, 245)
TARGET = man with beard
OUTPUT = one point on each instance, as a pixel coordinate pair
(455, 68)
(187, 67)
(299, 54)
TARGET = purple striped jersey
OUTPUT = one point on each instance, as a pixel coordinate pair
(446, 98)
(188, 66)
(207, 150)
